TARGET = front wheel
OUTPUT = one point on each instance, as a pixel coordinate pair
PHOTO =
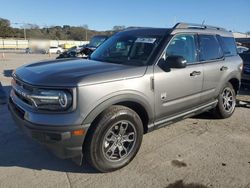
(114, 139)
(226, 102)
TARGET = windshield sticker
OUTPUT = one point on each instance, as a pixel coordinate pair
(146, 40)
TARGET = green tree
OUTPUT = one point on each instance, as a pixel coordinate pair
(65, 32)
(77, 33)
(5, 29)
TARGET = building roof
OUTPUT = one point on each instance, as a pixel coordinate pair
(241, 35)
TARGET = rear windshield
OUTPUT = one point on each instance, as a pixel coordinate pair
(228, 45)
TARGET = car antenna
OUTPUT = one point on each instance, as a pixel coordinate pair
(203, 22)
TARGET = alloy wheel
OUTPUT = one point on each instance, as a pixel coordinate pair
(119, 141)
(228, 99)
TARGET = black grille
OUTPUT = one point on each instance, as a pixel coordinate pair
(24, 85)
(23, 99)
(24, 88)
(18, 110)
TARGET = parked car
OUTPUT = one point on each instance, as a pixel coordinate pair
(72, 52)
(86, 49)
(95, 42)
(245, 80)
(242, 49)
(55, 50)
(138, 80)
(35, 50)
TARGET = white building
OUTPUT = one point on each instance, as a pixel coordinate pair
(241, 35)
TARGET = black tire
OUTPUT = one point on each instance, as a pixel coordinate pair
(96, 140)
(221, 111)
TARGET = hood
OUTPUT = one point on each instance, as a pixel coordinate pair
(75, 72)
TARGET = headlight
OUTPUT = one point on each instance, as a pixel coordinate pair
(55, 100)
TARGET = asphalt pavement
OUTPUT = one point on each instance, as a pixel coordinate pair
(2, 95)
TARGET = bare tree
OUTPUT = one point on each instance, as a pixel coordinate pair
(119, 27)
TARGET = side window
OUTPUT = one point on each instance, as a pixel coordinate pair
(183, 45)
(228, 45)
(209, 48)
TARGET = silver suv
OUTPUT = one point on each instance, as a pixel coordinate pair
(137, 81)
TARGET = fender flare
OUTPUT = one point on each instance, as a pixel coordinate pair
(128, 97)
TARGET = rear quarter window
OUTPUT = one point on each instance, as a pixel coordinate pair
(228, 45)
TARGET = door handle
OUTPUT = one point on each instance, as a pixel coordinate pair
(195, 73)
(223, 68)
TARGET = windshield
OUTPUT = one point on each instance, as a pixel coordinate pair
(126, 49)
(96, 41)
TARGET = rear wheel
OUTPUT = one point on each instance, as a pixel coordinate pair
(226, 102)
(114, 139)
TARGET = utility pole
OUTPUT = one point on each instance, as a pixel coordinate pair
(24, 32)
(86, 31)
(86, 34)
(24, 29)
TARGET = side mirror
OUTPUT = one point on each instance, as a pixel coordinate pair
(86, 51)
(176, 61)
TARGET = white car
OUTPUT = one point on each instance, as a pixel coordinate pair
(55, 50)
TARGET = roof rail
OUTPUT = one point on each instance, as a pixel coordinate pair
(182, 25)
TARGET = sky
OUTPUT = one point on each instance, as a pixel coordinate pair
(103, 15)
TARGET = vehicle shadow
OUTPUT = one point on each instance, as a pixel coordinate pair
(243, 97)
(16, 149)
(3, 96)
(8, 72)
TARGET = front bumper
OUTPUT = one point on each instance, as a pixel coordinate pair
(59, 140)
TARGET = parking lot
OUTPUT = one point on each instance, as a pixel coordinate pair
(197, 152)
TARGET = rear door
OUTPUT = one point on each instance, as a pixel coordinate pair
(213, 60)
(178, 89)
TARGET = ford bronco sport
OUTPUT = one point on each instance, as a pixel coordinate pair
(138, 80)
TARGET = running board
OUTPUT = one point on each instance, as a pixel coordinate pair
(185, 115)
